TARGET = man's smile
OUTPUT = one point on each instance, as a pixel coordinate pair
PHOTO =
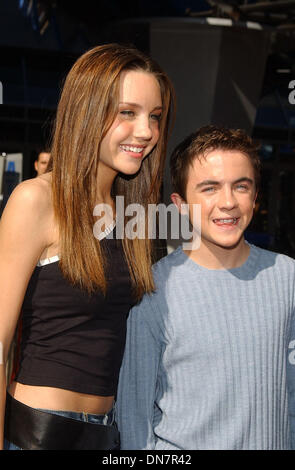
(227, 221)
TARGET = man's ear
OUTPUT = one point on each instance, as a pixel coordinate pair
(177, 200)
(255, 198)
(36, 165)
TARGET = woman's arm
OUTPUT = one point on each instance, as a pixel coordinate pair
(23, 237)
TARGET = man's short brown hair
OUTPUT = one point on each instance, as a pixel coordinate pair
(205, 140)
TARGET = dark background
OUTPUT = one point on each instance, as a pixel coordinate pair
(234, 70)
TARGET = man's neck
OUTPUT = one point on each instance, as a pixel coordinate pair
(212, 256)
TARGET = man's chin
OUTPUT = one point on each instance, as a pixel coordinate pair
(229, 244)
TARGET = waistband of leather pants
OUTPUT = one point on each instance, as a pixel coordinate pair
(32, 429)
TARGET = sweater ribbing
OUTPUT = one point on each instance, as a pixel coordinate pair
(205, 360)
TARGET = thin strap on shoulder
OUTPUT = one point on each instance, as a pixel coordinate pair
(52, 259)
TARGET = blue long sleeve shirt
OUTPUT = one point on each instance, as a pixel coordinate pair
(210, 357)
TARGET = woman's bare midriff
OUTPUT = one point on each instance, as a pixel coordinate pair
(51, 398)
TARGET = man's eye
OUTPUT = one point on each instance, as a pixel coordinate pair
(242, 187)
(209, 190)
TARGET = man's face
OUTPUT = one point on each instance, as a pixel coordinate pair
(223, 184)
(41, 163)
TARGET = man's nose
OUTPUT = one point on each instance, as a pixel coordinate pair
(227, 199)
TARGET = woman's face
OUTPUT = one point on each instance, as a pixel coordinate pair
(135, 130)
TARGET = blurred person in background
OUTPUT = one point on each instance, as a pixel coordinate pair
(41, 162)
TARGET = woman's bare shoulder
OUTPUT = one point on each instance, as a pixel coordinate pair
(32, 194)
(29, 212)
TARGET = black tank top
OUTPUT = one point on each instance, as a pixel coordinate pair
(73, 340)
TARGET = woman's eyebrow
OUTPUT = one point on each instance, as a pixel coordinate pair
(136, 105)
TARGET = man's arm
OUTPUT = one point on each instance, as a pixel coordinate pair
(138, 379)
(291, 380)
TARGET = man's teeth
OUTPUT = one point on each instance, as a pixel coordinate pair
(226, 221)
(128, 148)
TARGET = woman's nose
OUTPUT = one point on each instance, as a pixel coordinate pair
(143, 129)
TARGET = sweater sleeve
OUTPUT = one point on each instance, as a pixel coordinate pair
(138, 378)
(291, 380)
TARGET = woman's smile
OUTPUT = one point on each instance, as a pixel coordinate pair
(135, 130)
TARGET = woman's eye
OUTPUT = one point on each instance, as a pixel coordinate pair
(127, 113)
(156, 117)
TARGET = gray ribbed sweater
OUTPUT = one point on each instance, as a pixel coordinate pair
(205, 365)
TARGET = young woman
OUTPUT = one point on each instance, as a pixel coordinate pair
(75, 289)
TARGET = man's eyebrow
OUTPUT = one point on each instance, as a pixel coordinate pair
(245, 179)
(215, 183)
(207, 183)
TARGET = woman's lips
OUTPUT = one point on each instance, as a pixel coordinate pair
(133, 150)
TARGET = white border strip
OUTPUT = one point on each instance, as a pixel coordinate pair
(228, 22)
(252, 25)
(54, 259)
(219, 21)
(43, 262)
(107, 231)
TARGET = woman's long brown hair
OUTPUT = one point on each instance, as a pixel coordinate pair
(87, 108)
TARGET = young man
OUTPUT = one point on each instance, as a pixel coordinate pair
(209, 360)
(41, 163)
